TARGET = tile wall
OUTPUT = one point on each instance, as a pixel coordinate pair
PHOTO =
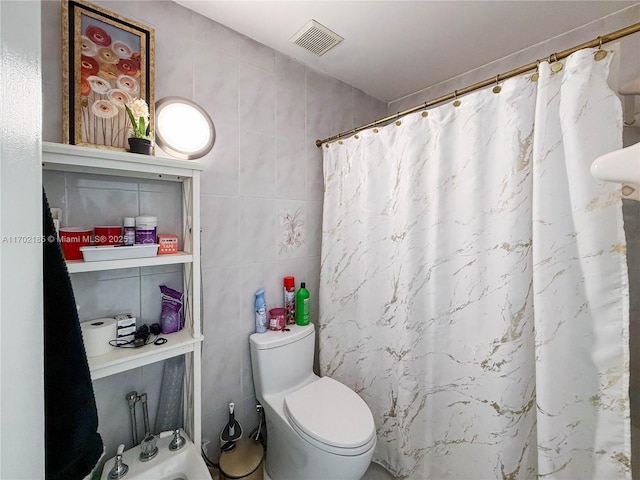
(261, 196)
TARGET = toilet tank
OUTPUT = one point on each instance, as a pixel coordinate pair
(281, 360)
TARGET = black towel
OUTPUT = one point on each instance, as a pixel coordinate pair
(72, 443)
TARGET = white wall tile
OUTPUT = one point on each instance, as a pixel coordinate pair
(54, 186)
(314, 227)
(315, 176)
(290, 89)
(122, 7)
(214, 36)
(222, 173)
(216, 90)
(319, 121)
(87, 207)
(257, 99)
(256, 54)
(290, 125)
(291, 168)
(222, 301)
(257, 165)
(221, 354)
(98, 298)
(258, 223)
(174, 53)
(216, 82)
(52, 100)
(246, 379)
(220, 231)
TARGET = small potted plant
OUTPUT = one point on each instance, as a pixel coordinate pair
(140, 138)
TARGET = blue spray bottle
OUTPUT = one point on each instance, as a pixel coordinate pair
(261, 312)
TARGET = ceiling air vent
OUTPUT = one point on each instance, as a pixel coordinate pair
(316, 38)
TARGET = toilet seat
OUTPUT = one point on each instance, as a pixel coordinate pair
(332, 417)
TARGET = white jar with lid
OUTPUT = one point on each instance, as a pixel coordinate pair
(146, 229)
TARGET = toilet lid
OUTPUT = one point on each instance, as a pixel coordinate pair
(331, 413)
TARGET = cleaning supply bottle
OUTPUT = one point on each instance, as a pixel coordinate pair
(289, 300)
(302, 305)
(261, 312)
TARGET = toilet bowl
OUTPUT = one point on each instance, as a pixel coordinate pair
(317, 428)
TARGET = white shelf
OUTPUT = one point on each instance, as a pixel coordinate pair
(72, 158)
(98, 161)
(123, 359)
(80, 266)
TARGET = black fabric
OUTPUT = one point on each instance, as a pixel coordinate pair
(72, 443)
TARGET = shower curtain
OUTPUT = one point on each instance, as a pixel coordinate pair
(474, 286)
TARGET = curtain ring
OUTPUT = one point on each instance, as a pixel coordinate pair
(425, 113)
(600, 53)
(535, 76)
(457, 102)
(375, 124)
(556, 66)
(497, 88)
(398, 122)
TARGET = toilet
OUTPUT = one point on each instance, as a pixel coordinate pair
(317, 428)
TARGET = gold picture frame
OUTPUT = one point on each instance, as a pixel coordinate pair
(107, 60)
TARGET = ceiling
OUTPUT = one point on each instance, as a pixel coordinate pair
(394, 48)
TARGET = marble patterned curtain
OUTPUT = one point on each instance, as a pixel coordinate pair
(474, 285)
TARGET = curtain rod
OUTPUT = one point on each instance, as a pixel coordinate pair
(631, 29)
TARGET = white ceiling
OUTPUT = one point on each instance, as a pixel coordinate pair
(394, 48)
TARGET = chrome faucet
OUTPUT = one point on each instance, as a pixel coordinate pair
(119, 469)
(148, 448)
(178, 441)
(133, 398)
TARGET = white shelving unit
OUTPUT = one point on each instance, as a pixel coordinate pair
(124, 359)
(71, 158)
(79, 266)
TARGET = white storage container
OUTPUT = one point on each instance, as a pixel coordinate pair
(119, 252)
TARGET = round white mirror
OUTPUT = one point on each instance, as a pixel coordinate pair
(183, 128)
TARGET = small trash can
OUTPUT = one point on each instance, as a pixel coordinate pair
(244, 461)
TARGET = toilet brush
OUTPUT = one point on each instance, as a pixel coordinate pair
(232, 430)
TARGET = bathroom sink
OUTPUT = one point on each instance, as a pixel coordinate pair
(184, 464)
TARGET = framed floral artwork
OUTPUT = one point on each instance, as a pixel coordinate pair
(107, 62)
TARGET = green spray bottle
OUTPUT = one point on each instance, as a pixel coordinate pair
(302, 305)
